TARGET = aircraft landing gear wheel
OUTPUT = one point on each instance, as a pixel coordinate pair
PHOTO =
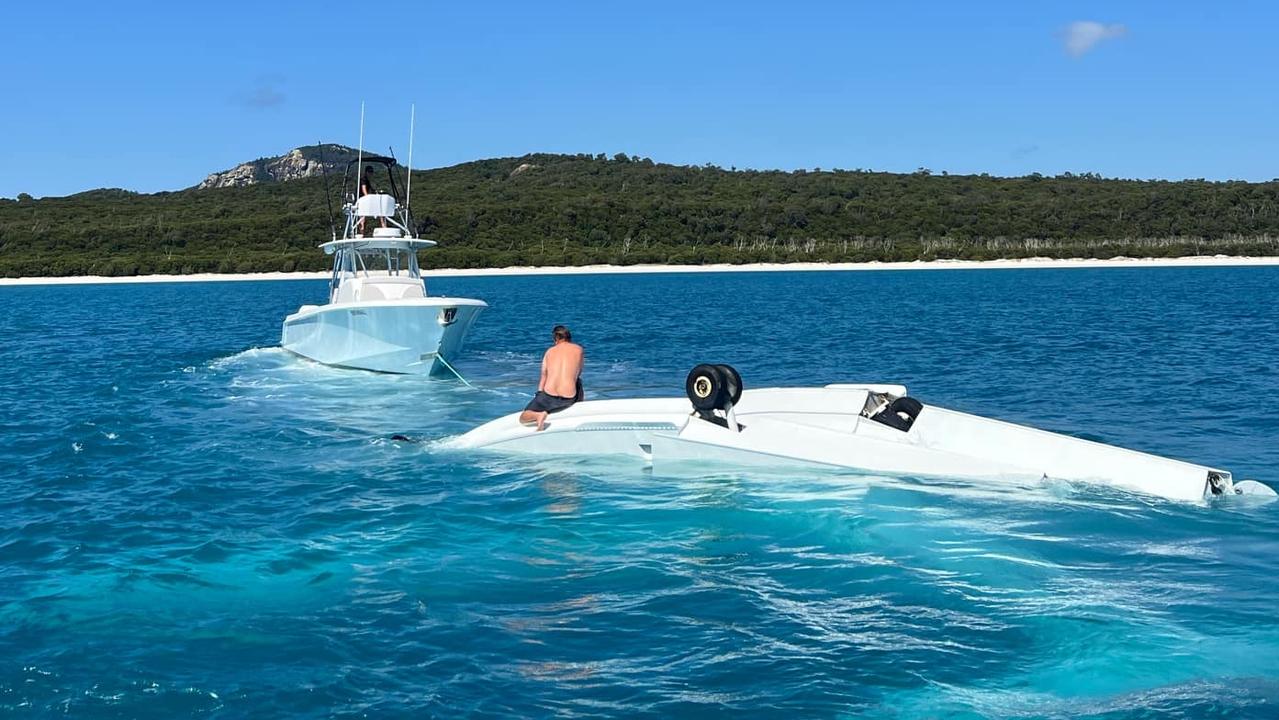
(706, 387)
(733, 382)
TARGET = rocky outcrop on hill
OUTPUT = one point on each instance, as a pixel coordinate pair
(523, 167)
(302, 162)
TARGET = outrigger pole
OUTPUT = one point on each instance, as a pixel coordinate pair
(359, 177)
(328, 194)
(359, 156)
(408, 185)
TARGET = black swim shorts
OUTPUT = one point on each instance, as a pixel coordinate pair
(543, 402)
(549, 403)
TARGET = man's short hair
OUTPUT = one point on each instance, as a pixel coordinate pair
(560, 332)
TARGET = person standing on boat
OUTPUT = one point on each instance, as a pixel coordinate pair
(561, 383)
(367, 188)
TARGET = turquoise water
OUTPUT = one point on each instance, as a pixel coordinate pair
(194, 523)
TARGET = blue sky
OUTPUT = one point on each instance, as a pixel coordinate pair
(153, 96)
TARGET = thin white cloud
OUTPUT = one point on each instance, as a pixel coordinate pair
(264, 97)
(1082, 36)
(1023, 151)
(265, 94)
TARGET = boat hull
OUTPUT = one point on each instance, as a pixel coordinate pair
(404, 336)
(824, 427)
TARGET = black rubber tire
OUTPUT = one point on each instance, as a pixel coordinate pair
(705, 387)
(733, 380)
(900, 414)
(907, 406)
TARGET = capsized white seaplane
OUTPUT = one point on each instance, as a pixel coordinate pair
(874, 428)
(379, 316)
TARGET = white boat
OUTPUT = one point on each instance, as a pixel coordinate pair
(379, 316)
(874, 428)
(380, 319)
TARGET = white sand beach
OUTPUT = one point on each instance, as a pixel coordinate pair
(1013, 264)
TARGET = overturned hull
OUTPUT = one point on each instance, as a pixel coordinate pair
(831, 427)
(399, 336)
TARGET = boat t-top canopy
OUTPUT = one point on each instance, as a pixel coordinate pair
(376, 159)
(371, 244)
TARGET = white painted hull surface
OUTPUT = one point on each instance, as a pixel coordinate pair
(824, 427)
(393, 336)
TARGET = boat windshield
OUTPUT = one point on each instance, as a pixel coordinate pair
(350, 262)
(388, 261)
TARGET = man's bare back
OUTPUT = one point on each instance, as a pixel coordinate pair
(560, 384)
(561, 367)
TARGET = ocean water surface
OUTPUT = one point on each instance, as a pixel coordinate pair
(195, 523)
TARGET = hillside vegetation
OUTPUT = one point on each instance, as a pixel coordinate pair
(573, 210)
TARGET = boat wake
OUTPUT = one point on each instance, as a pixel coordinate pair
(274, 354)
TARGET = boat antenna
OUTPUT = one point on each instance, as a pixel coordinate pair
(390, 152)
(328, 194)
(408, 185)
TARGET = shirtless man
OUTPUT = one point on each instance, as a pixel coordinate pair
(561, 383)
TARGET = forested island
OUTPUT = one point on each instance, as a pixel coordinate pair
(624, 210)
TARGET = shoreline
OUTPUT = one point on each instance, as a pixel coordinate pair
(1006, 264)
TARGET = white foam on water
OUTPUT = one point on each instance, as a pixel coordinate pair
(255, 353)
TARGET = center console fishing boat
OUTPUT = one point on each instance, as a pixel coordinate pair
(379, 316)
(873, 428)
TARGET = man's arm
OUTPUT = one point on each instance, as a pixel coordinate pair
(541, 383)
